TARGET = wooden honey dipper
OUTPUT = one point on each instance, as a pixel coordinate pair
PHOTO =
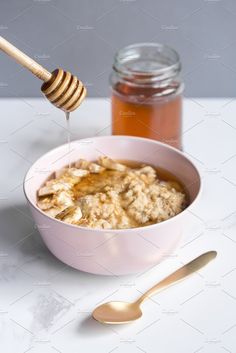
(60, 87)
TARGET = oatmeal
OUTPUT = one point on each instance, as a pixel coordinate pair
(109, 194)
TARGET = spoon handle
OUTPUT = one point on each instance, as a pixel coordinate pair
(181, 273)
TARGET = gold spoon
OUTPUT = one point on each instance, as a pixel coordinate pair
(123, 312)
(60, 87)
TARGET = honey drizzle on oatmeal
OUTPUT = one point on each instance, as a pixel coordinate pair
(91, 179)
(95, 183)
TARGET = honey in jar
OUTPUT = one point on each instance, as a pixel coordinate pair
(147, 93)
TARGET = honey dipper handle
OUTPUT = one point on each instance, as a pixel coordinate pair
(24, 60)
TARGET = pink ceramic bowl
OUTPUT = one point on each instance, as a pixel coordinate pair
(111, 252)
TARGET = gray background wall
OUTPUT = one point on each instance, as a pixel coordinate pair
(82, 36)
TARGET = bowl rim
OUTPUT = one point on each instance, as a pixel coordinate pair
(89, 229)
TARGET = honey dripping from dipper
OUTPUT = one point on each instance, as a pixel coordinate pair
(61, 88)
(68, 135)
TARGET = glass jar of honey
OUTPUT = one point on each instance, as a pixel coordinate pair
(147, 93)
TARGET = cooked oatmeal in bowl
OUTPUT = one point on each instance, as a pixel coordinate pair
(108, 194)
(112, 215)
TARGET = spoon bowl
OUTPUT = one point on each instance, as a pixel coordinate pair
(117, 312)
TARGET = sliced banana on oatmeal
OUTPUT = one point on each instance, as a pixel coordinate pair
(59, 200)
(109, 163)
(63, 198)
(82, 164)
(121, 197)
(77, 173)
(59, 173)
(45, 204)
(70, 215)
(56, 204)
(95, 168)
(92, 167)
(52, 187)
(53, 212)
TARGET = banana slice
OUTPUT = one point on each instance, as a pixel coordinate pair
(77, 173)
(53, 212)
(108, 163)
(92, 167)
(70, 215)
(59, 173)
(53, 187)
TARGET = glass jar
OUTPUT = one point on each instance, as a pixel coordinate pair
(146, 93)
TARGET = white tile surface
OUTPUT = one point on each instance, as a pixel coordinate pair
(45, 306)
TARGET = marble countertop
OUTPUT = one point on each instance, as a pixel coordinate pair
(45, 306)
